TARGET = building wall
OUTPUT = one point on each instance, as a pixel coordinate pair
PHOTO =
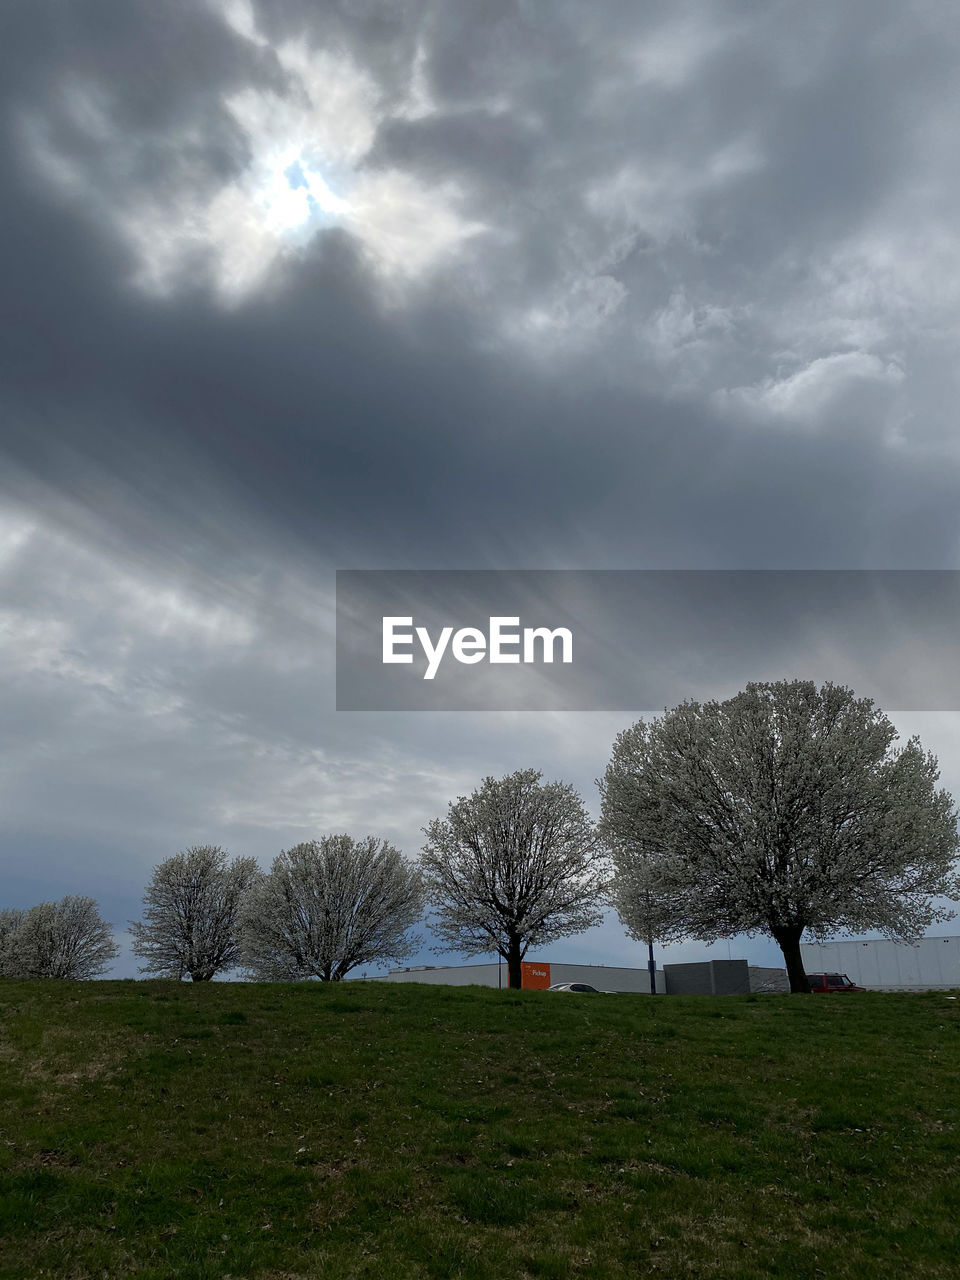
(608, 977)
(767, 981)
(461, 975)
(708, 978)
(880, 965)
(603, 977)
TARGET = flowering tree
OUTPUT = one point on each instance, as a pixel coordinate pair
(11, 919)
(649, 909)
(513, 866)
(784, 809)
(65, 939)
(192, 914)
(330, 905)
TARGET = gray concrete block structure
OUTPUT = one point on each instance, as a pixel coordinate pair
(768, 981)
(708, 978)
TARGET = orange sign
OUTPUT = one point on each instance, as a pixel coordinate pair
(534, 975)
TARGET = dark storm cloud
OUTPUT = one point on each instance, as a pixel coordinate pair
(156, 69)
(193, 416)
(466, 450)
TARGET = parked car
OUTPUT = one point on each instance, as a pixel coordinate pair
(579, 986)
(828, 982)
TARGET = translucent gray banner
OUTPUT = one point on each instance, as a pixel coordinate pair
(640, 640)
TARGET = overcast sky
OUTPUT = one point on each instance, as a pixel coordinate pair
(291, 287)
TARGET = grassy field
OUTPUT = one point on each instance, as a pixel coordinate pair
(159, 1130)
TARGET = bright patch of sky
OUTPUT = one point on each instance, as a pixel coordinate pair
(305, 174)
(292, 196)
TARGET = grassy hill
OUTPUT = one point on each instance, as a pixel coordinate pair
(158, 1130)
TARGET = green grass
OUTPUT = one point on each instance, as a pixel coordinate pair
(160, 1130)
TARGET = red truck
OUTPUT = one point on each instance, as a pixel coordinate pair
(827, 982)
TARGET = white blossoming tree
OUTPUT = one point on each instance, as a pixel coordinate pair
(784, 809)
(649, 909)
(514, 865)
(66, 939)
(11, 919)
(192, 914)
(330, 905)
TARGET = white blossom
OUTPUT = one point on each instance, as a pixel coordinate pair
(784, 809)
(513, 866)
(192, 913)
(65, 939)
(330, 905)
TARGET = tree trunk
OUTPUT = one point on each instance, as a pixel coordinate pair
(788, 940)
(515, 978)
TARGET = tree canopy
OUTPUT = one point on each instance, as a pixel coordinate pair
(514, 865)
(192, 914)
(783, 809)
(65, 939)
(650, 909)
(330, 905)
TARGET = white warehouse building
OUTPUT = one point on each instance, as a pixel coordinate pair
(603, 977)
(711, 977)
(933, 964)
